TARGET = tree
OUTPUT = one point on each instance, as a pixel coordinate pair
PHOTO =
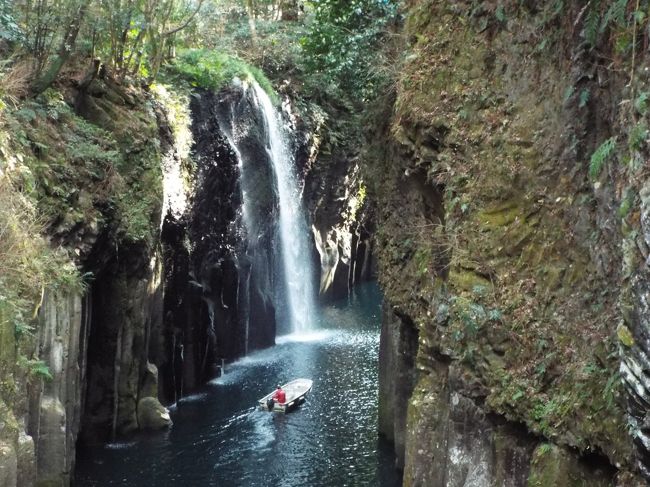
(66, 48)
(342, 41)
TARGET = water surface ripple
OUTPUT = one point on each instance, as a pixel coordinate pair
(220, 439)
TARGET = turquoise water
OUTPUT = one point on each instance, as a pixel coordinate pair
(219, 438)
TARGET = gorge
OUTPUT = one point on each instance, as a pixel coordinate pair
(166, 215)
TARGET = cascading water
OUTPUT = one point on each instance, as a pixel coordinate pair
(227, 129)
(255, 131)
(295, 252)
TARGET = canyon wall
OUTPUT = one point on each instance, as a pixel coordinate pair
(178, 275)
(511, 237)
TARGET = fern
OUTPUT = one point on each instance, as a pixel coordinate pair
(616, 13)
(592, 23)
(600, 156)
(637, 136)
(626, 204)
(568, 93)
(39, 369)
(500, 14)
(641, 103)
(35, 368)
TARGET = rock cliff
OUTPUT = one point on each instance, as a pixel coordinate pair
(147, 195)
(511, 247)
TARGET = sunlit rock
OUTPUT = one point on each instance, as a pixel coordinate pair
(152, 415)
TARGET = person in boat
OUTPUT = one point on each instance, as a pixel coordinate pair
(279, 396)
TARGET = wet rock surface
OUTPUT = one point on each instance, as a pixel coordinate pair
(152, 415)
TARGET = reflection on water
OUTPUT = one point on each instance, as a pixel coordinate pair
(219, 438)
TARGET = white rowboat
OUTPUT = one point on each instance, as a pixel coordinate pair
(295, 392)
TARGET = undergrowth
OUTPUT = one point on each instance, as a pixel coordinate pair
(213, 70)
(28, 264)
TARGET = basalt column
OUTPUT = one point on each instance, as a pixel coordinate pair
(126, 323)
(219, 293)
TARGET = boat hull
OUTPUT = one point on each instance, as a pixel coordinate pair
(296, 392)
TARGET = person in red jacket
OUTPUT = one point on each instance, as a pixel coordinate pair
(279, 395)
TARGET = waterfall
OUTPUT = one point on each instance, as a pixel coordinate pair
(293, 230)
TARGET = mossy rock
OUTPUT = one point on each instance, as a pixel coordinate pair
(559, 467)
(468, 280)
(9, 427)
(8, 465)
(500, 216)
(625, 335)
(152, 415)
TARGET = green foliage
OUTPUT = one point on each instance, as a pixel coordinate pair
(342, 40)
(500, 14)
(615, 13)
(611, 16)
(637, 136)
(641, 103)
(27, 263)
(212, 70)
(626, 204)
(518, 395)
(600, 156)
(39, 369)
(13, 310)
(9, 29)
(471, 314)
(592, 23)
(612, 387)
(568, 93)
(544, 449)
(134, 37)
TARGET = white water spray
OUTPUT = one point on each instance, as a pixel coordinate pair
(296, 255)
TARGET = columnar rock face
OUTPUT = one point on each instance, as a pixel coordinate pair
(342, 220)
(91, 346)
(634, 332)
(219, 288)
(513, 239)
(242, 123)
(126, 321)
(38, 438)
(398, 347)
(55, 411)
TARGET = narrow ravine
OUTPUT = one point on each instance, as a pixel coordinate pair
(219, 438)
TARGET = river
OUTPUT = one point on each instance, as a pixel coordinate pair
(219, 438)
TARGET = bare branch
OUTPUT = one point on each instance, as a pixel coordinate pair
(186, 23)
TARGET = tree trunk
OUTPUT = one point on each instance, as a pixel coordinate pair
(65, 49)
(250, 9)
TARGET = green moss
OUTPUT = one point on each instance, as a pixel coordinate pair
(513, 214)
(213, 70)
(10, 427)
(499, 216)
(625, 335)
(468, 280)
(552, 465)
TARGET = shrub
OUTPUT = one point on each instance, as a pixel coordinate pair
(27, 263)
(342, 43)
(213, 70)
